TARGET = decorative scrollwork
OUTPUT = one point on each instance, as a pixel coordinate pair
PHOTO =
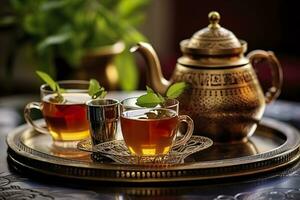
(267, 193)
(118, 151)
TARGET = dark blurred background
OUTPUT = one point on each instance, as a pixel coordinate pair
(268, 25)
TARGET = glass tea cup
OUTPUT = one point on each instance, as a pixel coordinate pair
(152, 131)
(66, 121)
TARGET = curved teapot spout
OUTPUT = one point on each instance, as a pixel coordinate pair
(155, 78)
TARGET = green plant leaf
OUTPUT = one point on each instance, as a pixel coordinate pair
(47, 79)
(7, 21)
(103, 94)
(127, 71)
(129, 7)
(161, 97)
(45, 61)
(53, 85)
(95, 90)
(53, 40)
(17, 4)
(137, 19)
(100, 94)
(132, 35)
(94, 87)
(176, 90)
(49, 5)
(90, 24)
(149, 89)
(152, 99)
(148, 100)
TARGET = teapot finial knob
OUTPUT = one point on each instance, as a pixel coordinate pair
(214, 18)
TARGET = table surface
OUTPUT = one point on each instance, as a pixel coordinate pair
(281, 184)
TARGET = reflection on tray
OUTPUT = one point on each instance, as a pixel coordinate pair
(44, 143)
(70, 151)
(227, 151)
(261, 142)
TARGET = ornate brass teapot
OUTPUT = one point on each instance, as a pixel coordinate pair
(224, 99)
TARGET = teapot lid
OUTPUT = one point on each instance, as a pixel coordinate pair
(213, 40)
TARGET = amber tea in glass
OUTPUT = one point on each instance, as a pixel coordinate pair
(152, 131)
(66, 120)
(147, 133)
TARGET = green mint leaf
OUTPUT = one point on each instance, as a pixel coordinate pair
(161, 98)
(58, 90)
(47, 79)
(97, 94)
(148, 100)
(95, 90)
(61, 90)
(176, 90)
(94, 87)
(58, 98)
(53, 85)
(103, 94)
(151, 115)
(152, 99)
(100, 94)
(149, 89)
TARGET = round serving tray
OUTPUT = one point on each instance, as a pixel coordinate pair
(273, 145)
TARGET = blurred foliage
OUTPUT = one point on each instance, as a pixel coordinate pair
(68, 28)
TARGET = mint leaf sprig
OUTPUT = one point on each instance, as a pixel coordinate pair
(53, 85)
(95, 90)
(152, 99)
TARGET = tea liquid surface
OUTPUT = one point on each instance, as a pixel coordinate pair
(149, 133)
(67, 121)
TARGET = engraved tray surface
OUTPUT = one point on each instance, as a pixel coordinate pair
(273, 145)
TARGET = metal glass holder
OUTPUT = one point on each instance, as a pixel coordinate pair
(118, 151)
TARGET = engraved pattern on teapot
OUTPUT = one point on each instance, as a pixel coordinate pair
(224, 99)
(213, 80)
(217, 36)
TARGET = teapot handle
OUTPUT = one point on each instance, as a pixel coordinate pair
(257, 56)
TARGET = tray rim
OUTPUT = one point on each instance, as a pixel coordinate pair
(292, 153)
(151, 179)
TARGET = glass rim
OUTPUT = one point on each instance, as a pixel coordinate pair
(116, 102)
(44, 86)
(139, 107)
(150, 119)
